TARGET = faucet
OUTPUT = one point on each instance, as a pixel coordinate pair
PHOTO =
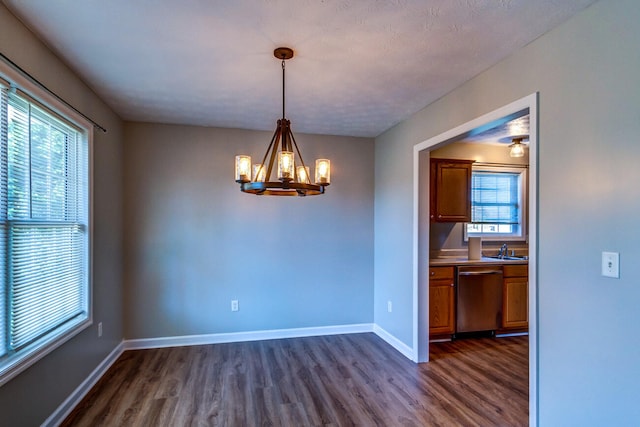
(503, 252)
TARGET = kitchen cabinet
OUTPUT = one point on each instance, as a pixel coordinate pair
(450, 185)
(515, 302)
(441, 301)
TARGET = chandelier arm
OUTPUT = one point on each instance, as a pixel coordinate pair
(299, 153)
(288, 135)
(273, 138)
(285, 130)
(273, 148)
(286, 142)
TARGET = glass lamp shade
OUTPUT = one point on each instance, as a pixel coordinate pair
(259, 172)
(286, 165)
(303, 174)
(517, 149)
(243, 168)
(323, 171)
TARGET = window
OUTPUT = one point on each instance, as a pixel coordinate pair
(44, 203)
(497, 203)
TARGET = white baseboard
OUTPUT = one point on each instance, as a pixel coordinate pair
(394, 342)
(441, 340)
(63, 411)
(513, 334)
(186, 340)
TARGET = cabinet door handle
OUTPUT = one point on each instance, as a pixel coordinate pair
(433, 273)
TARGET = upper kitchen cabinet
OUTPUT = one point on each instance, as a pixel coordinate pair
(450, 183)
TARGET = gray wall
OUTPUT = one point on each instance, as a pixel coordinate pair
(194, 242)
(586, 72)
(29, 398)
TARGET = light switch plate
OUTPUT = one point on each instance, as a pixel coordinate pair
(611, 264)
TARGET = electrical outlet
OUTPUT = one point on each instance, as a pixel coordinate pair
(389, 306)
(611, 264)
(234, 305)
(99, 329)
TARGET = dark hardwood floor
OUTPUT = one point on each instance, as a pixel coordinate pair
(339, 380)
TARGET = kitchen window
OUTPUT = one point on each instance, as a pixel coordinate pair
(44, 230)
(498, 203)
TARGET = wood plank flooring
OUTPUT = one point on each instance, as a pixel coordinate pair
(339, 380)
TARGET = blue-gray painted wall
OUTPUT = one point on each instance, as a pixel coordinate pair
(32, 396)
(586, 72)
(194, 242)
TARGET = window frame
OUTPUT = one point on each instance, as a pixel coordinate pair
(522, 230)
(33, 352)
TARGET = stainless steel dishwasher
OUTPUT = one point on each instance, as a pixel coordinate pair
(479, 299)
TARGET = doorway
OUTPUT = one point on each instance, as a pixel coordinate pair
(421, 159)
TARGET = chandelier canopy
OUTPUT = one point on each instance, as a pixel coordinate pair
(292, 176)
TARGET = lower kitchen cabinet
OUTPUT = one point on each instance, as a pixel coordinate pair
(515, 302)
(441, 301)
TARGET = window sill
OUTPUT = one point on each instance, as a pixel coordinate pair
(14, 364)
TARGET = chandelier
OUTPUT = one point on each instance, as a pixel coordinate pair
(292, 175)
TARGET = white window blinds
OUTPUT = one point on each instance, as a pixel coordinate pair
(43, 226)
(3, 222)
(494, 198)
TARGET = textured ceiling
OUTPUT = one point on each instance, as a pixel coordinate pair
(360, 67)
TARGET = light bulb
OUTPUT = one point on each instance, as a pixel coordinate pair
(285, 165)
(323, 171)
(303, 174)
(517, 149)
(243, 168)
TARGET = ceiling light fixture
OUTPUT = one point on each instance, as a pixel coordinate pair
(516, 148)
(291, 180)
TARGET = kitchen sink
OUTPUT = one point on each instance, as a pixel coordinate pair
(510, 257)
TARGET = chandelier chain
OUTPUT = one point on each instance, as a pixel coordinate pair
(283, 116)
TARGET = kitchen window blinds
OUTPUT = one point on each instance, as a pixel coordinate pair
(44, 282)
(497, 202)
(494, 198)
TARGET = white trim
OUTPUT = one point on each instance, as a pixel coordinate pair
(26, 357)
(533, 262)
(65, 408)
(187, 340)
(440, 340)
(395, 342)
(421, 328)
(16, 78)
(39, 349)
(512, 334)
(420, 355)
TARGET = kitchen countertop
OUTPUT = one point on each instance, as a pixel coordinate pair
(446, 261)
